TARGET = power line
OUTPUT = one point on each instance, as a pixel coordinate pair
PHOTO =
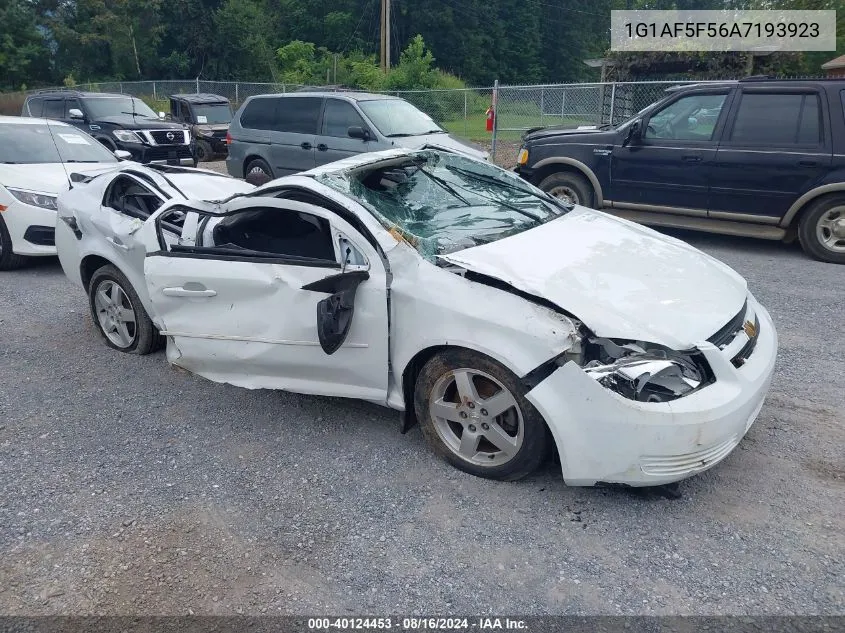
(357, 26)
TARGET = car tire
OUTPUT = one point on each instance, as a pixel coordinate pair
(8, 259)
(821, 229)
(109, 144)
(138, 334)
(204, 152)
(507, 446)
(258, 165)
(569, 186)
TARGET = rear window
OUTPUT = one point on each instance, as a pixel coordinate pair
(259, 114)
(777, 119)
(299, 115)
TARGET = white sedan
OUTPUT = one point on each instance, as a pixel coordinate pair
(36, 156)
(503, 321)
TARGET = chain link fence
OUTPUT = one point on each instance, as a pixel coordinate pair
(462, 111)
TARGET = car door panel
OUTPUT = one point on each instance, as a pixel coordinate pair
(293, 138)
(760, 168)
(670, 168)
(259, 328)
(334, 142)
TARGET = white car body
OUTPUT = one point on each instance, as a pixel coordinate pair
(532, 302)
(45, 180)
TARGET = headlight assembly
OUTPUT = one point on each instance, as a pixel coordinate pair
(35, 199)
(646, 373)
(127, 136)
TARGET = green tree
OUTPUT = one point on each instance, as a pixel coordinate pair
(24, 57)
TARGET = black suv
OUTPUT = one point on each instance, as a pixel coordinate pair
(208, 117)
(757, 157)
(120, 122)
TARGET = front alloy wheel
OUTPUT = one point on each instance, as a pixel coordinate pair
(476, 417)
(474, 414)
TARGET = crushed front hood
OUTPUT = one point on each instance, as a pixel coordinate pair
(621, 279)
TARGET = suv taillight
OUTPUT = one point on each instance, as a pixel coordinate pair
(228, 138)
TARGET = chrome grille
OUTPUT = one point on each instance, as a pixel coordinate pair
(167, 137)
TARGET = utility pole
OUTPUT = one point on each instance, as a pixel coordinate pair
(385, 35)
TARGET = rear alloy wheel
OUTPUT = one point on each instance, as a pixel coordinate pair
(8, 260)
(568, 187)
(257, 167)
(822, 229)
(474, 414)
(204, 151)
(118, 313)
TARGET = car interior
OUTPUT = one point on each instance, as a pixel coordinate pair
(131, 198)
(275, 231)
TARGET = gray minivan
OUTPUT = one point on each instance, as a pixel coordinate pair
(289, 133)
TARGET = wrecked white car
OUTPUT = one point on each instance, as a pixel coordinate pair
(507, 323)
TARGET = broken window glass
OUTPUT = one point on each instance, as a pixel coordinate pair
(441, 202)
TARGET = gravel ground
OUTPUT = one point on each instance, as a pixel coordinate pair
(130, 487)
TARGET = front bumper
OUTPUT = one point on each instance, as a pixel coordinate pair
(160, 154)
(31, 228)
(604, 438)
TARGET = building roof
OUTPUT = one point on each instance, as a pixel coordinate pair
(835, 63)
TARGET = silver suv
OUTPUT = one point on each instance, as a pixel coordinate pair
(285, 134)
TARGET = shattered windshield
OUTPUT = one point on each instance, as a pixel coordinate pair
(441, 202)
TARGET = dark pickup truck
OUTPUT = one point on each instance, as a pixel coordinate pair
(756, 157)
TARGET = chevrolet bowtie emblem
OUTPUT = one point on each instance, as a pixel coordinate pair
(750, 329)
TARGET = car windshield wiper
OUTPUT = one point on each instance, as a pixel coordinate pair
(398, 135)
(495, 181)
(136, 115)
(74, 160)
(10, 162)
(437, 131)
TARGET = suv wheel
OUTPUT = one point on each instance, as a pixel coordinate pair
(8, 260)
(109, 145)
(569, 187)
(822, 229)
(204, 151)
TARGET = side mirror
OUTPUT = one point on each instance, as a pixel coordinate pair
(356, 131)
(122, 154)
(75, 113)
(633, 133)
(160, 114)
(334, 314)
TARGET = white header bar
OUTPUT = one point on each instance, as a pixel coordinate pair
(757, 31)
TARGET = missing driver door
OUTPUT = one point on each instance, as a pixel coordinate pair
(247, 317)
